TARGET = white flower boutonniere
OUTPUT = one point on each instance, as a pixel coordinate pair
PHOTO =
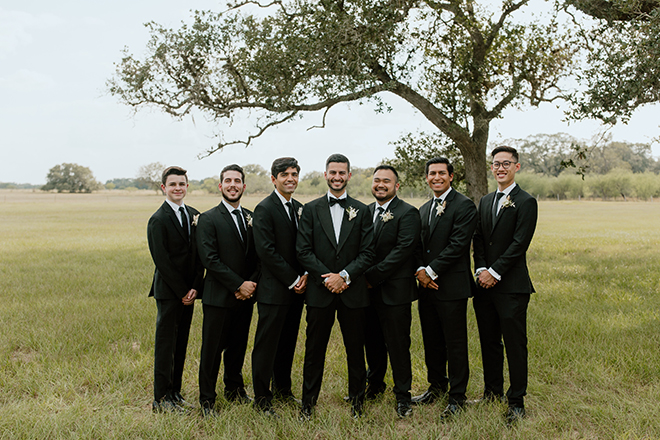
(300, 212)
(195, 219)
(386, 216)
(248, 217)
(352, 213)
(508, 203)
(440, 208)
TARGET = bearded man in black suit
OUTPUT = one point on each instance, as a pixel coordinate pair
(392, 288)
(335, 246)
(507, 220)
(226, 248)
(445, 279)
(280, 290)
(178, 280)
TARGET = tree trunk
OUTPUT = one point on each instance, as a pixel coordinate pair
(475, 170)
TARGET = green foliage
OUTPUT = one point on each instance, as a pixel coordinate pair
(70, 177)
(150, 176)
(621, 71)
(412, 152)
(458, 63)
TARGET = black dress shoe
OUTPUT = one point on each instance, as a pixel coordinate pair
(356, 409)
(450, 411)
(239, 396)
(514, 414)
(288, 399)
(166, 406)
(403, 410)
(488, 398)
(306, 413)
(428, 397)
(209, 411)
(179, 400)
(372, 393)
(268, 412)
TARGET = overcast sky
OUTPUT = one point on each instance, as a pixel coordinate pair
(55, 57)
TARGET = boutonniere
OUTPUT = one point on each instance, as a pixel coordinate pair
(300, 212)
(508, 203)
(386, 216)
(248, 218)
(194, 219)
(440, 208)
(352, 213)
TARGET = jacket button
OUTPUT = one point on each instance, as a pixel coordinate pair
(338, 257)
(428, 251)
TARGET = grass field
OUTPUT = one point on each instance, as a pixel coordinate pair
(76, 352)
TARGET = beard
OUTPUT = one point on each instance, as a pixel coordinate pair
(343, 185)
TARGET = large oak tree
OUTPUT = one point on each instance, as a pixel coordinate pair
(456, 61)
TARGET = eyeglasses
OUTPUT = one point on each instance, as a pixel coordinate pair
(506, 164)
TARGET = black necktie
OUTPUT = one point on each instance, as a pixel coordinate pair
(292, 215)
(241, 226)
(434, 212)
(334, 200)
(184, 222)
(377, 221)
(498, 196)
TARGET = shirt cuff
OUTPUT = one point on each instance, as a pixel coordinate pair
(495, 274)
(294, 283)
(431, 272)
(478, 271)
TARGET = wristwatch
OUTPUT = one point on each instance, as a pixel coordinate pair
(345, 276)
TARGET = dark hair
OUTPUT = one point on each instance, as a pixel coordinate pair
(177, 171)
(232, 167)
(387, 167)
(340, 158)
(282, 164)
(450, 167)
(505, 149)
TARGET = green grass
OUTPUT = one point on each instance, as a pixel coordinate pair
(76, 352)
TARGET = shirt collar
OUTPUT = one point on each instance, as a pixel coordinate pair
(174, 206)
(282, 199)
(444, 195)
(341, 197)
(508, 189)
(231, 208)
(384, 205)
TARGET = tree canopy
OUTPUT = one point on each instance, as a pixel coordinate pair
(70, 177)
(622, 69)
(460, 63)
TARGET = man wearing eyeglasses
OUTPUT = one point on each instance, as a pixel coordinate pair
(505, 227)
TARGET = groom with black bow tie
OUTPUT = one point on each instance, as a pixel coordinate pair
(334, 245)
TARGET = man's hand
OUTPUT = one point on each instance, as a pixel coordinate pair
(301, 286)
(425, 280)
(189, 298)
(334, 283)
(486, 280)
(246, 290)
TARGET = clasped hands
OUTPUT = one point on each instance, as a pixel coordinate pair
(189, 298)
(334, 282)
(246, 290)
(486, 280)
(425, 280)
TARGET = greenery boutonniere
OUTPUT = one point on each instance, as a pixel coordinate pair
(386, 216)
(352, 213)
(440, 208)
(508, 203)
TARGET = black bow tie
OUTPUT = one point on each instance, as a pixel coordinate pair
(342, 202)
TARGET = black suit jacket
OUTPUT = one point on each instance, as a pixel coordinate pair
(503, 246)
(319, 253)
(228, 260)
(446, 248)
(178, 267)
(395, 241)
(275, 242)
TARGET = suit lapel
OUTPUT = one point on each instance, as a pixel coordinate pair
(325, 218)
(449, 198)
(282, 210)
(380, 225)
(424, 215)
(175, 221)
(503, 210)
(228, 218)
(346, 225)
